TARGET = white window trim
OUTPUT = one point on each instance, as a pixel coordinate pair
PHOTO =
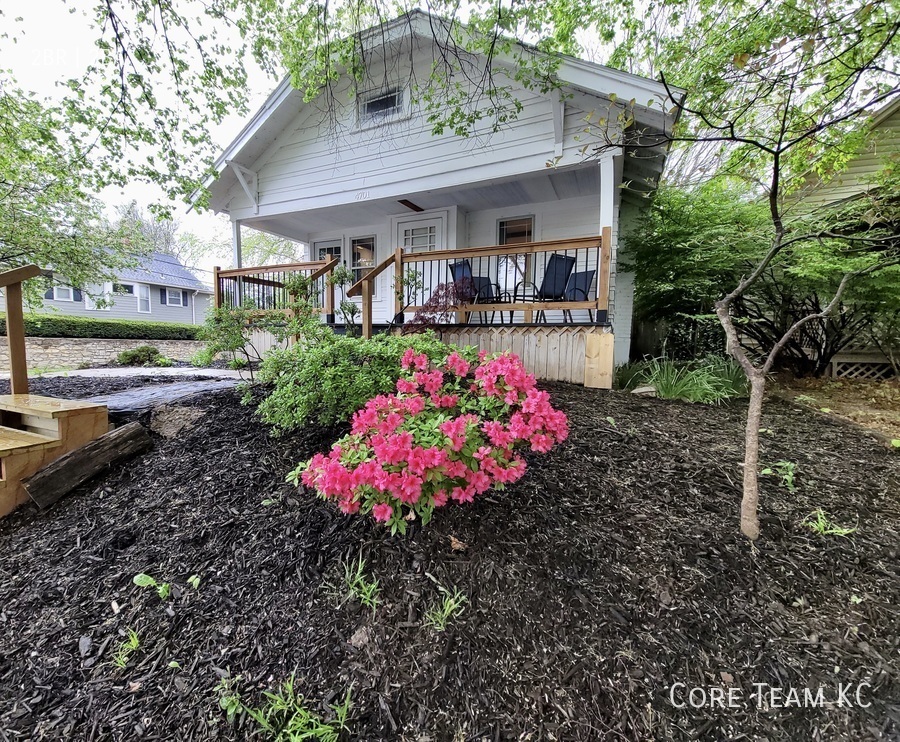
(71, 291)
(180, 298)
(138, 287)
(90, 304)
(364, 122)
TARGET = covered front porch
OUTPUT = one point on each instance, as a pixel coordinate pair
(549, 300)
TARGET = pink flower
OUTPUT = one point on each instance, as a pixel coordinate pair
(541, 443)
(404, 386)
(456, 364)
(391, 458)
(383, 512)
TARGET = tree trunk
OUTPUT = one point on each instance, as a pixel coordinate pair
(750, 500)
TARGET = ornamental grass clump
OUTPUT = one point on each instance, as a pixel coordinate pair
(452, 431)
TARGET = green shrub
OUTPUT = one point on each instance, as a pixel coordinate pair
(143, 355)
(68, 326)
(709, 380)
(630, 375)
(326, 382)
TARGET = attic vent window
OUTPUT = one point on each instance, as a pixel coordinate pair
(381, 105)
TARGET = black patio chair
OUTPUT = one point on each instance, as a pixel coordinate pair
(579, 289)
(554, 283)
(471, 289)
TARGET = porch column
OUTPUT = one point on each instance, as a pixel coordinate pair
(607, 191)
(236, 243)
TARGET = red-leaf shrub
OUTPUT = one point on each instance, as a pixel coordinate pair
(450, 432)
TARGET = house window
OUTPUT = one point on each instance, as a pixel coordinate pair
(362, 256)
(62, 293)
(143, 294)
(97, 298)
(516, 231)
(381, 105)
(174, 298)
(123, 288)
(511, 268)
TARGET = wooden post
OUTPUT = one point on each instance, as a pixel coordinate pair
(15, 335)
(367, 310)
(217, 289)
(598, 359)
(528, 315)
(329, 297)
(603, 266)
(399, 289)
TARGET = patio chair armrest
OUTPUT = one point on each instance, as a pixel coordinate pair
(495, 290)
(523, 285)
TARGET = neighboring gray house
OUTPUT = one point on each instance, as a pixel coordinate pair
(161, 289)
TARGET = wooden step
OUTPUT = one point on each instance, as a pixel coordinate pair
(14, 441)
(47, 407)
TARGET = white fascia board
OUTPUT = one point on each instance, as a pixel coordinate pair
(592, 78)
(482, 174)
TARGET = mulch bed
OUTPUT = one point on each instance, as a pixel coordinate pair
(612, 571)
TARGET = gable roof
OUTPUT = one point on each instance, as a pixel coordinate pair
(576, 76)
(163, 270)
(882, 141)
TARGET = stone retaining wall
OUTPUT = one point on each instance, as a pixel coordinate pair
(54, 353)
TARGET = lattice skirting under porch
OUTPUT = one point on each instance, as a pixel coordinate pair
(868, 370)
(579, 354)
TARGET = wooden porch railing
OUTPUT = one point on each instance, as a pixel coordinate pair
(264, 287)
(500, 278)
(11, 283)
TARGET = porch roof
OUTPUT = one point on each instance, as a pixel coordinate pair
(549, 185)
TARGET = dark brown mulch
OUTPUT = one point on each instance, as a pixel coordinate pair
(611, 572)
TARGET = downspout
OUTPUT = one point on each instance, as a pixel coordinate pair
(194, 307)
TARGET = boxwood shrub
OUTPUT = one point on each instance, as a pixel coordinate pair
(68, 326)
(327, 381)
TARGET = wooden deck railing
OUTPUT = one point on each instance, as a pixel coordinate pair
(11, 283)
(264, 287)
(516, 279)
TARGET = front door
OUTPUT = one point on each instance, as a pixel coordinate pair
(421, 235)
(325, 249)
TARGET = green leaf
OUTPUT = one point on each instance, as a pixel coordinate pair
(144, 580)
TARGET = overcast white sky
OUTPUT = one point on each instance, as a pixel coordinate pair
(53, 45)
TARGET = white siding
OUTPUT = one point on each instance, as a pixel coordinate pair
(316, 163)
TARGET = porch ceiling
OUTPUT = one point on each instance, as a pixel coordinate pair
(551, 185)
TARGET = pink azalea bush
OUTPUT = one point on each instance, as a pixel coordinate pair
(450, 432)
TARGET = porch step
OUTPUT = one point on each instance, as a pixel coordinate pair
(35, 430)
(13, 441)
(46, 407)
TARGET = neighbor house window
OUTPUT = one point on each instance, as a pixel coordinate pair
(374, 107)
(62, 293)
(123, 288)
(362, 256)
(174, 298)
(143, 294)
(97, 298)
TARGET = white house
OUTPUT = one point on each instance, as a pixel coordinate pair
(370, 183)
